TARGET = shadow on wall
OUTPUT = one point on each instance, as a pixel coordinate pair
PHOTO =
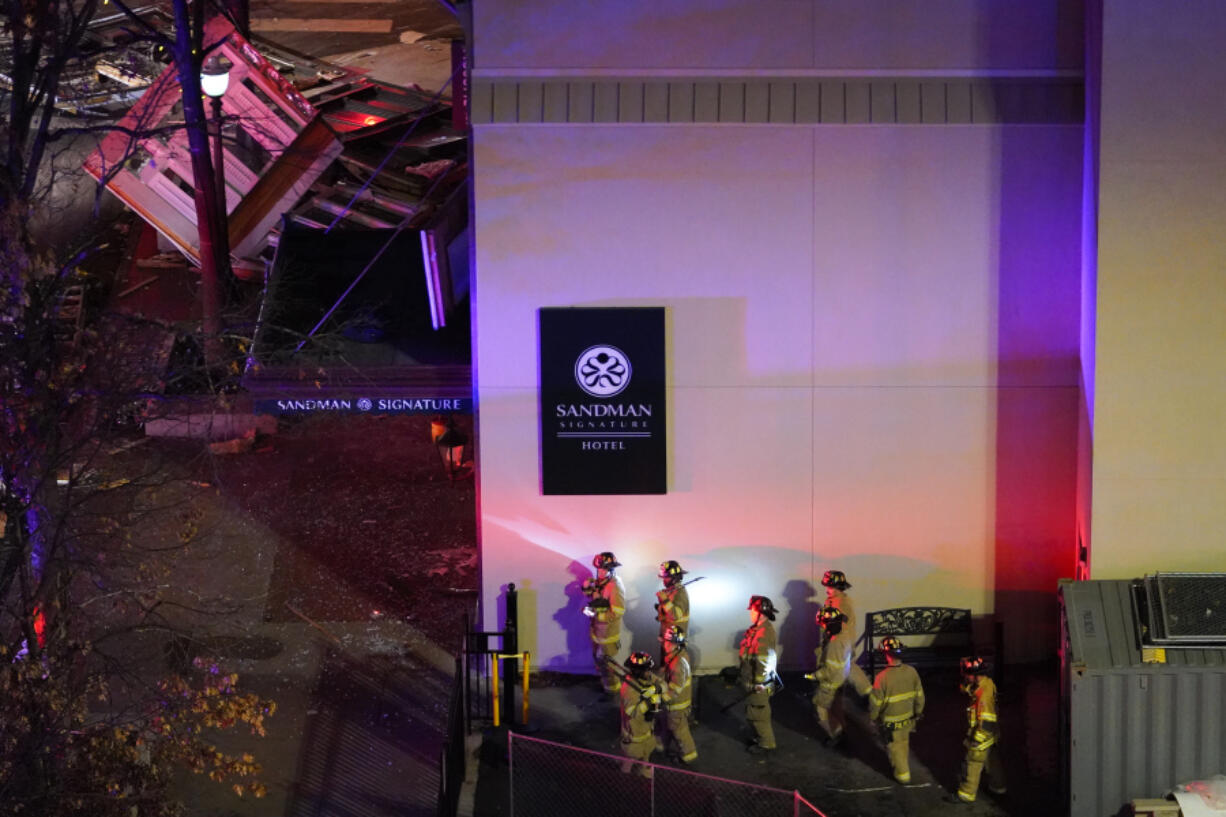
(571, 621)
(798, 633)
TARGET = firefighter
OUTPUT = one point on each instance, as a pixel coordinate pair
(982, 732)
(836, 584)
(678, 692)
(759, 655)
(672, 602)
(834, 669)
(606, 604)
(896, 704)
(640, 701)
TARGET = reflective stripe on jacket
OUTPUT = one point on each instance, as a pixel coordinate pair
(897, 696)
(834, 660)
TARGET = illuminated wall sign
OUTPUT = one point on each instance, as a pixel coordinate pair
(366, 405)
(602, 401)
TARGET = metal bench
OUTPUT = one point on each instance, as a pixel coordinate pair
(948, 630)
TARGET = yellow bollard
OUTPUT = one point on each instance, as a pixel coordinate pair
(526, 659)
(494, 676)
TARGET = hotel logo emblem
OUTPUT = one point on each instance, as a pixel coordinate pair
(602, 370)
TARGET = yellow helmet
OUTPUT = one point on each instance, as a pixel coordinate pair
(890, 646)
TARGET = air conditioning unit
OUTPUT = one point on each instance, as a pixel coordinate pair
(1180, 610)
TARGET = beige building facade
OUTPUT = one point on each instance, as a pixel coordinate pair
(901, 341)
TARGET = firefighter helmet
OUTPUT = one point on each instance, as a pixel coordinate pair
(639, 663)
(605, 561)
(671, 571)
(763, 605)
(890, 646)
(836, 579)
(971, 665)
(830, 616)
(673, 635)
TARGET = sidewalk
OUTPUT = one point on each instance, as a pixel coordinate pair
(853, 779)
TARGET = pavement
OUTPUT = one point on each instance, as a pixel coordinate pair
(852, 779)
(348, 568)
(360, 720)
(349, 630)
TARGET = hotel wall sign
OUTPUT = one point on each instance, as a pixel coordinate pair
(366, 404)
(602, 401)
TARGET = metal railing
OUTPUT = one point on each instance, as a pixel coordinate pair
(481, 692)
(481, 651)
(550, 779)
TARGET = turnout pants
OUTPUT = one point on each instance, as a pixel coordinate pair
(828, 700)
(898, 747)
(606, 642)
(678, 725)
(972, 768)
(758, 713)
(638, 748)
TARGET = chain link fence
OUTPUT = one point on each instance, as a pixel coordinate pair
(554, 780)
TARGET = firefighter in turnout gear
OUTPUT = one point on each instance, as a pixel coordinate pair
(896, 704)
(836, 584)
(606, 604)
(673, 602)
(640, 701)
(759, 656)
(678, 692)
(982, 733)
(835, 668)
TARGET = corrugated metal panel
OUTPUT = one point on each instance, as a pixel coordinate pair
(783, 102)
(554, 102)
(932, 103)
(655, 102)
(531, 101)
(604, 103)
(630, 102)
(732, 102)
(833, 104)
(1134, 729)
(579, 102)
(681, 102)
(859, 99)
(803, 100)
(706, 102)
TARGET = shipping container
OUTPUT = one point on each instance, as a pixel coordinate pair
(1137, 719)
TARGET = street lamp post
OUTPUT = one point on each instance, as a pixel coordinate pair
(214, 80)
